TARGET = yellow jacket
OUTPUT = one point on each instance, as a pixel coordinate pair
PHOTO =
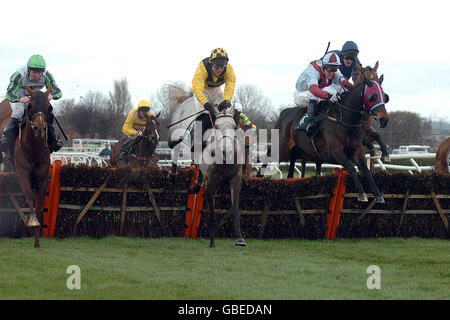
(205, 79)
(133, 124)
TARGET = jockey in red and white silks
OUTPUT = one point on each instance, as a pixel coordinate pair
(316, 83)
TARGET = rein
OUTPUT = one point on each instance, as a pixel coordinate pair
(340, 120)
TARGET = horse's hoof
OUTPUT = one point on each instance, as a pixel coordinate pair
(37, 246)
(240, 242)
(363, 197)
(379, 199)
(194, 189)
(33, 222)
(374, 153)
(212, 245)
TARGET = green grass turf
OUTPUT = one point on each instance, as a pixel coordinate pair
(178, 268)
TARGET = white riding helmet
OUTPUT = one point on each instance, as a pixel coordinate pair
(331, 59)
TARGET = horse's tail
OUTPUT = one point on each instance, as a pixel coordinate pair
(177, 95)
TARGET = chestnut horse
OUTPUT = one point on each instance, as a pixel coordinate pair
(32, 157)
(370, 135)
(441, 159)
(143, 147)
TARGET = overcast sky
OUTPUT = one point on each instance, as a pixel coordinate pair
(89, 44)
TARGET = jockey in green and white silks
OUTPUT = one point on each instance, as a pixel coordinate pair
(35, 76)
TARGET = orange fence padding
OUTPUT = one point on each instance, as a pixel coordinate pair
(336, 203)
(194, 207)
(51, 201)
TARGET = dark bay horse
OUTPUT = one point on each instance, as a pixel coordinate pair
(143, 147)
(221, 161)
(32, 157)
(291, 116)
(340, 135)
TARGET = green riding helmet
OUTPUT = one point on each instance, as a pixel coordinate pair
(36, 63)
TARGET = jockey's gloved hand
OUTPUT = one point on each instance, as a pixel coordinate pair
(139, 133)
(208, 107)
(333, 97)
(223, 105)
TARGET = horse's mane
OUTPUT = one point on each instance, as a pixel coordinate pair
(177, 96)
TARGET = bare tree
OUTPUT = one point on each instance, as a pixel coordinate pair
(405, 128)
(120, 98)
(118, 106)
(255, 105)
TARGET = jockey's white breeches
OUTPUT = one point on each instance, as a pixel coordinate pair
(18, 109)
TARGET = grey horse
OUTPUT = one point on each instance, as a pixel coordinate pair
(222, 159)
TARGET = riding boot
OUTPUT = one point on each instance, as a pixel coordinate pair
(206, 124)
(312, 125)
(125, 150)
(7, 141)
(53, 143)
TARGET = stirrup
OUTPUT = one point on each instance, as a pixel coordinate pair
(123, 156)
(310, 129)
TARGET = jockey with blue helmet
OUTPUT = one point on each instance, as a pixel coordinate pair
(349, 58)
(321, 80)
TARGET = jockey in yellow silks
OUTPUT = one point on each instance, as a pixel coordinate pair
(213, 72)
(134, 126)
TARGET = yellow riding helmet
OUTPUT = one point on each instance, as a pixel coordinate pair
(144, 104)
(218, 55)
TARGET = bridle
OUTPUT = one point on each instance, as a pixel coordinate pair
(368, 84)
(226, 115)
(30, 120)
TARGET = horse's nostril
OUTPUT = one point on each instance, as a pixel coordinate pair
(383, 122)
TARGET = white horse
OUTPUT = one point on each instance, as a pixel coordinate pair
(222, 158)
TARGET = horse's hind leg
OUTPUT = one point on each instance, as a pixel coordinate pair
(292, 166)
(348, 165)
(235, 187)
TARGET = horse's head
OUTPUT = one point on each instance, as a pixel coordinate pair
(38, 111)
(374, 101)
(151, 130)
(369, 73)
(226, 125)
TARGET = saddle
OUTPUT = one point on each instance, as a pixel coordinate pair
(305, 120)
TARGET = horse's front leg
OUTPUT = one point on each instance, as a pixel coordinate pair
(235, 188)
(209, 197)
(292, 167)
(373, 186)
(384, 152)
(318, 168)
(23, 178)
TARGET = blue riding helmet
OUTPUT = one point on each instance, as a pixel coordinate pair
(350, 49)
